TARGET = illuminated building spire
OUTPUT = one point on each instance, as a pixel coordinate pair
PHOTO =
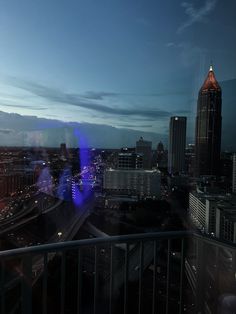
(210, 82)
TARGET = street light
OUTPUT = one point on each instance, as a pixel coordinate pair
(59, 234)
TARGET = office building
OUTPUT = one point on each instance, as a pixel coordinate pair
(226, 220)
(130, 161)
(213, 213)
(15, 181)
(140, 182)
(234, 174)
(208, 127)
(145, 148)
(201, 211)
(177, 142)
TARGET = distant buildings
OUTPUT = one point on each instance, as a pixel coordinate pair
(226, 221)
(202, 209)
(139, 182)
(160, 156)
(130, 161)
(131, 175)
(214, 214)
(160, 148)
(234, 174)
(15, 181)
(190, 158)
(208, 127)
(177, 142)
(145, 148)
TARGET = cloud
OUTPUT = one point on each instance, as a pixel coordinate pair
(182, 111)
(196, 15)
(6, 131)
(98, 95)
(134, 125)
(33, 131)
(170, 44)
(189, 55)
(24, 107)
(58, 96)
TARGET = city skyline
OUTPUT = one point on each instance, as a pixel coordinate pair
(117, 156)
(83, 65)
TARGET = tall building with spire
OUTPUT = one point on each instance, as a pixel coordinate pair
(208, 127)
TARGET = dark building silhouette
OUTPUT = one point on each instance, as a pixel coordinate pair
(160, 148)
(177, 142)
(208, 127)
(145, 148)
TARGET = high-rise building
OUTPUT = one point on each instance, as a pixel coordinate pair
(160, 156)
(130, 161)
(208, 127)
(202, 210)
(160, 148)
(138, 182)
(63, 150)
(177, 142)
(145, 148)
(226, 221)
(234, 174)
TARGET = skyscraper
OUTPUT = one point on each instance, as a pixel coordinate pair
(208, 127)
(177, 142)
(234, 174)
(130, 161)
(145, 148)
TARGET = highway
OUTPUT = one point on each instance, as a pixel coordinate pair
(67, 233)
(18, 221)
(133, 257)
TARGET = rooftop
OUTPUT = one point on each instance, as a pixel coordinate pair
(210, 82)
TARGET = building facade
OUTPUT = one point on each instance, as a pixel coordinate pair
(141, 183)
(234, 174)
(130, 161)
(226, 224)
(202, 210)
(177, 143)
(145, 148)
(13, 182)
(208, 127)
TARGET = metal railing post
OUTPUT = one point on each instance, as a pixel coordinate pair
(95, 280)
(63, 281)
(45, 282)
(2, 287)
(111, 280)
(154, 293)
(26, 284)
(79, 282)
(168, 276)
(126, 277)
(140, 277)
(182, 263)
(200, 276)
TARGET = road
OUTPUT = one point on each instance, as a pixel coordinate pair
(18, 221)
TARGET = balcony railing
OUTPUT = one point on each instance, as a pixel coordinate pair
(167, 272)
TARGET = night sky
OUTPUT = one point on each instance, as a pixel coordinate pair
(123, 63)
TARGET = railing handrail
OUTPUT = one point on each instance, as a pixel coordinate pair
(67, 245)
(215, 241)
